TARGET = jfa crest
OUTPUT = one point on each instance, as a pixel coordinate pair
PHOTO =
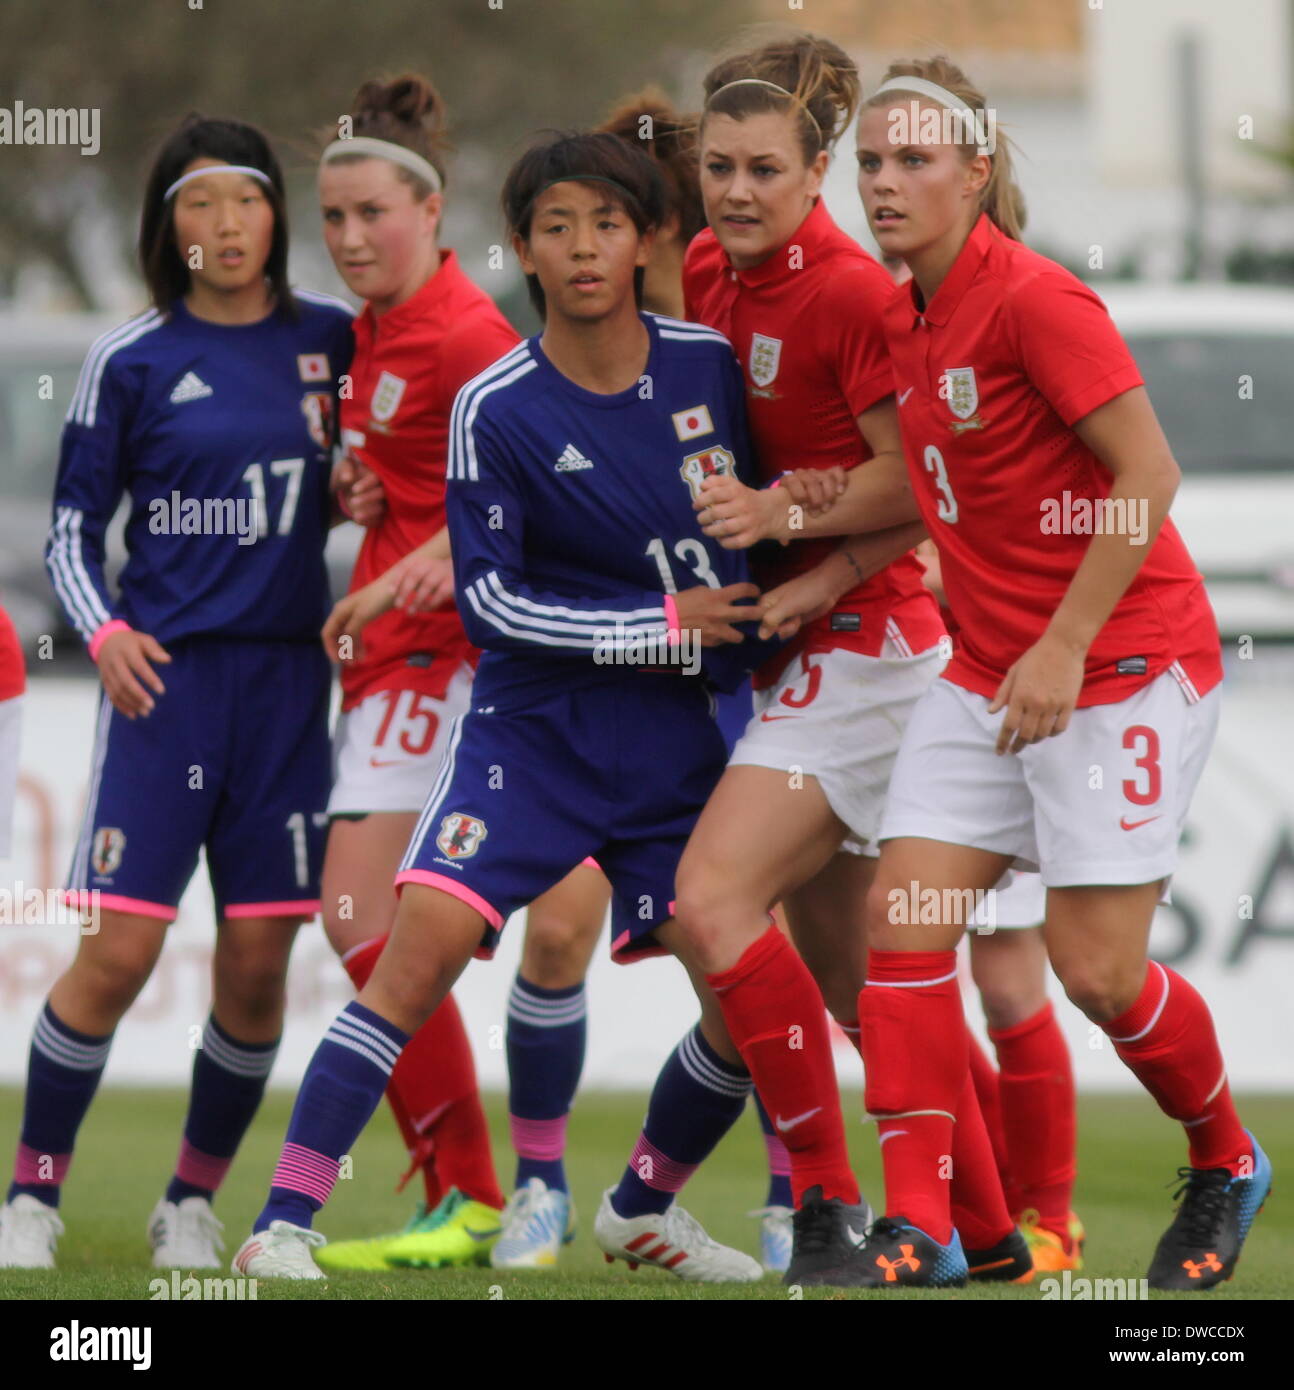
(957, 386)
(106, 850)
(765, 355)
(317, 407)
(386, 397)
(460, 836)
(707, 464)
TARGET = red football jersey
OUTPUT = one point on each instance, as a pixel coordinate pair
(407, 369)
(806, 325)
(13, 671)
(991, 375)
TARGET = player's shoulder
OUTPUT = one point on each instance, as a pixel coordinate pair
(855, 281)
(693, 341)
(505, 385)
(1034, 287)
(703, 253)
(110, 358)
(315, 307)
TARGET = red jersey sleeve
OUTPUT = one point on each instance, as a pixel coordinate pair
(1067, 344)
(857, 347)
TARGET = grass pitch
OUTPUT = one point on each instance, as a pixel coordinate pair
(1128, 1155)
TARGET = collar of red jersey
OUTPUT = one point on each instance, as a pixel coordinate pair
(809, 235)
(422, 299)
(959, 277)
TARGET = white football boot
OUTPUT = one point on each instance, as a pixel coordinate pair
(674, 1241)
(29, 1232)
(282, 1252)
(775, 1236)
(537, 1222)
(185, 1235)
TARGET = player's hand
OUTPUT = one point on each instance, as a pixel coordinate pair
(1039, 694)
(342, 638)
(815, 489)
(713, 612)
(736, 515)
(785, 609)
(126, 669)
(358, 491)
(422, 582)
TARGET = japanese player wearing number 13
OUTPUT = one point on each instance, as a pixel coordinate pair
(573, 465)
(1071, 726)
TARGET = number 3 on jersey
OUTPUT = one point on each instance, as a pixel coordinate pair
(947, 506)
(691, 552)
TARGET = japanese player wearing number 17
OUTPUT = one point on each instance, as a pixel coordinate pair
(1073, 721)
(573, 464)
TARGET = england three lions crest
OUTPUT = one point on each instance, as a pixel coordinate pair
(959, 388)
(387, 395)
(460, 835)
(708, 463)
(765, 357)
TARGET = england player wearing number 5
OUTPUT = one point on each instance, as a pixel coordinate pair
(573, 464)
(212, 414)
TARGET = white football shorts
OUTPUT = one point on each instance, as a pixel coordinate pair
(1102, 803)
(839, 717)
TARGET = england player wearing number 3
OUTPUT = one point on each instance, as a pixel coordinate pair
(1071, 726)
(213, 413)
(573, 464)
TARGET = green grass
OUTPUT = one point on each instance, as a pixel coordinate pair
(1128, 1154)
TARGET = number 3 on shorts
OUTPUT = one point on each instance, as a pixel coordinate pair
(1144, 741)
(947, 508)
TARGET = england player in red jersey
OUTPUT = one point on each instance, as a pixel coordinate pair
(1071, 726)
(1027, 1099)
(796, 815)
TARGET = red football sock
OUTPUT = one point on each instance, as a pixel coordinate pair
(914, 1051)
(776, 1017)
(1037, 1090)
(433, 1094)
(1168, 1042)
(978, 1205)
(985, 1079)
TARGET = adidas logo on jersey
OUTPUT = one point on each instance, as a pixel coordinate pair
(190, 387)
(572, 460)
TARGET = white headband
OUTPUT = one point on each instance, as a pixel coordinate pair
(944, 97)
(384, 149)
(762, 82)
(247, 169)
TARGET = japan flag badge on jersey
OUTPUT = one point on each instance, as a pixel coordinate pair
(708, 463)
(313, 366)
(693, 423)
(386, 397)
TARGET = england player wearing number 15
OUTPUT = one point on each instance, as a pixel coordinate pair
(573, 464)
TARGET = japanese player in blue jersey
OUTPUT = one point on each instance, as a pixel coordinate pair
(211, 414)
(573, 464)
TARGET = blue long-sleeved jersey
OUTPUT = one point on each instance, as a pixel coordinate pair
(570, 512)
(221, 436)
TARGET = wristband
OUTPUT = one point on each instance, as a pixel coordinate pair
(671, 621)
(106, 631)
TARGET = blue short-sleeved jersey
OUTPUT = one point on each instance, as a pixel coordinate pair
(221, 436)
(571, 516)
